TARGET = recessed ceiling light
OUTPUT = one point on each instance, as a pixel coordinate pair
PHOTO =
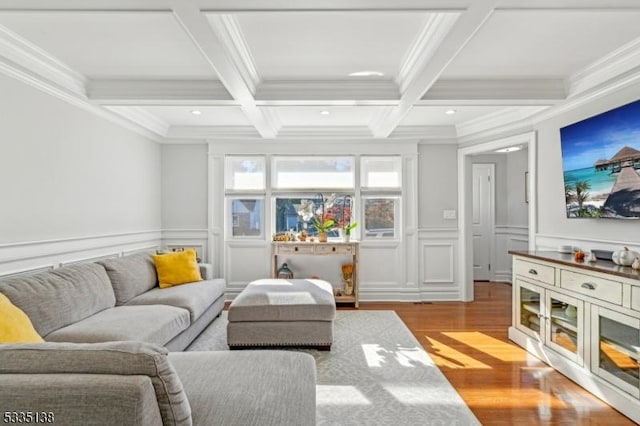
(196, 112)
(366, 74)
(450, 111)
(509, 149)
(324, 112)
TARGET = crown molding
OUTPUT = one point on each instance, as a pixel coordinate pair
(433, 32)
(31, 57)
(143, 118)
(606, 68)
(212, 132)
(365, 92)
(522, 91)
(496, 119)
(228, 31)
(323, 132)
(331, 5)
(433, 134)
(155, 92)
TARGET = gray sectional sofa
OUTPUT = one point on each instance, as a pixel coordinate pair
(113, 300)
(109, 329)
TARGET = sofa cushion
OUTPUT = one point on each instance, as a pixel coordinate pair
(15, 325)
(115, 358)
(177, 268)
(268, 388)
(60, 297)
(154, 324)
(131, 275)
(195, 297)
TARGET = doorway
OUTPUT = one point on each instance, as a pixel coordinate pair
(465, 268)
(483, 219)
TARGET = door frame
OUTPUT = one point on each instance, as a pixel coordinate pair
(492, 218)
(465, 246)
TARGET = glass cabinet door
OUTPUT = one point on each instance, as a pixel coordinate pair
(616, 352)
(529, 317)
(564, 325)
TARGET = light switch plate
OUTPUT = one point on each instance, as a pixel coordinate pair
(449, 214)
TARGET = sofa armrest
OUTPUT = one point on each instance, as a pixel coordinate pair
(206, 271)
(81, 399)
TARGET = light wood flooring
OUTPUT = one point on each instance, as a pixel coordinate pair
(498, 380)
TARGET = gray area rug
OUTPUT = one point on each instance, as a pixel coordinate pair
(375, 374)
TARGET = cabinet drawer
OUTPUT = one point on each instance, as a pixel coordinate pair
(295, 249)
(331, 248)
(535, 271)
(635, 298)
(600, 288)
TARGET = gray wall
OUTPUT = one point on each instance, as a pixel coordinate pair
(437, 185)
(551, 203)
(67, 173)
(184, 186)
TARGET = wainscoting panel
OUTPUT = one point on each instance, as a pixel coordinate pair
(438, 264)
(245, 262)
(507, 238)
(36, 256)
(186, 238)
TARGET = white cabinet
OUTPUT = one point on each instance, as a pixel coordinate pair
(555, 320)
(583, 320)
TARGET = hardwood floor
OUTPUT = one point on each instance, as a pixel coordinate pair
(498, 380)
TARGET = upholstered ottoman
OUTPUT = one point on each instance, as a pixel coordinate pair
(282, 312)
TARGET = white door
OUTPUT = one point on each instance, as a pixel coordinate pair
(483, 211)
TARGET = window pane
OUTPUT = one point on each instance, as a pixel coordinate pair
(380, 217)
(247, 217)
(381, 172)
(289, 214)
(313, 172)
(244, 173)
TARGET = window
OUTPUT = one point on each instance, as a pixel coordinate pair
(381, 217)
(244, 173)
(313, 173)
(262, 201)
(381, 172)
(246, 217)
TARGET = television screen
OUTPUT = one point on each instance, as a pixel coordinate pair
(601, 164)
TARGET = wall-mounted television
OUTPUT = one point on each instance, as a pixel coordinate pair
(601, 164)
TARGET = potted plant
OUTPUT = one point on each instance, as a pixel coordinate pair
(347, 231)
(323, 226)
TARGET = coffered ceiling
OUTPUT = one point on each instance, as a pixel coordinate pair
(210, 69)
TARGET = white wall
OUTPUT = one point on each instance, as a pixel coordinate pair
(437, 184)
(67, 174)
(554, 228)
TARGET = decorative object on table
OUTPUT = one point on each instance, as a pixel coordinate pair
(347, 278)
(591, 257)
(323, 226)
(636, 263)
(281, 236)
(347, 231)
(303, 235)
(284, 272)
(624, 257)
(565, 249)
(578, 256)
(603, 254)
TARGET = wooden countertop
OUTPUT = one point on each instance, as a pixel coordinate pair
(602, 266)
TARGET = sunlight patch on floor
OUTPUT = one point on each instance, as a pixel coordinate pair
(377, 356)
(340, 395)
(446, 356)
(489, 345)
(414, 395)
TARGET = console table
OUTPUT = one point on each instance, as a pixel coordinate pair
(320, 249)
(583, 319)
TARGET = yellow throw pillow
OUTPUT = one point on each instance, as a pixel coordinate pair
(15, 325)
(177, 268)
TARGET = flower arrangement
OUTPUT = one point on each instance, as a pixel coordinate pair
(323, 224)
(349, 228)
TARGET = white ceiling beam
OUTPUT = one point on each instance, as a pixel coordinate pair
(158, 92)
(332, 5)
(465, 27)
(568, 4)
(520, 91)
(369, 92)
(198, 29)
